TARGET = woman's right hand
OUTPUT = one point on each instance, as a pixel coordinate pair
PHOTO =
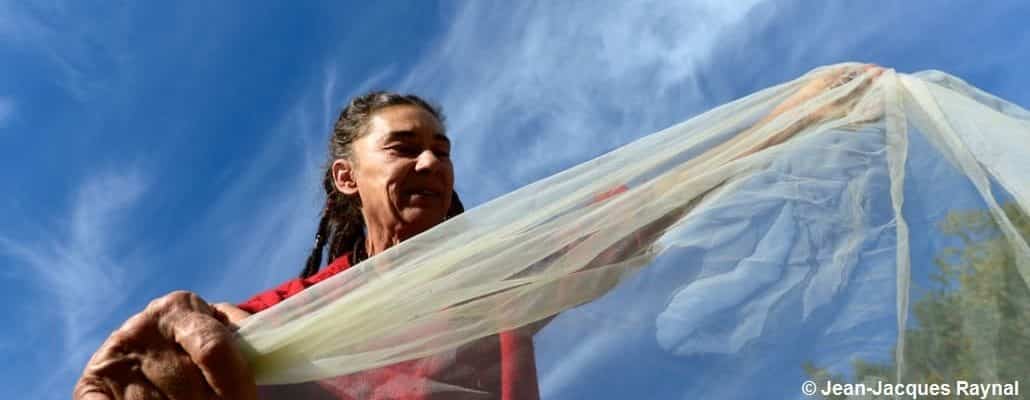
(179, 347)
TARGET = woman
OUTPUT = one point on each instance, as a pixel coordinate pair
(390, 178)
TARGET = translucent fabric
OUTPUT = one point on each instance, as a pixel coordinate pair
(875, 233)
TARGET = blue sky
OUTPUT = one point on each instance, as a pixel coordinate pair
(153, 147)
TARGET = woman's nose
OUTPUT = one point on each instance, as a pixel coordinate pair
(428, 161)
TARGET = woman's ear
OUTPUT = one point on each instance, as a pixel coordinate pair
(343, 177)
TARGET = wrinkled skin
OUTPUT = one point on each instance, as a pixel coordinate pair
(180, 347)
(402, 172)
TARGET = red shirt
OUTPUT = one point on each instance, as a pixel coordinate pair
(496, 367)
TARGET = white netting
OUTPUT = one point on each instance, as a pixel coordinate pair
(866, 234)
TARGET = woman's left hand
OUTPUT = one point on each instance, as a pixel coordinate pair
(827, 81)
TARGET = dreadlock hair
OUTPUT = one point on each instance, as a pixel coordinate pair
(341, 227)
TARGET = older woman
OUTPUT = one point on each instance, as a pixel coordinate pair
(390, 177)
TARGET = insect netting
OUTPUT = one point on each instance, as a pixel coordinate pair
(874, 232)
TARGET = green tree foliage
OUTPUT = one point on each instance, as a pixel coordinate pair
(973, 323)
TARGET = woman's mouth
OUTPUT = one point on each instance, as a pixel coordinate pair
(424, 194)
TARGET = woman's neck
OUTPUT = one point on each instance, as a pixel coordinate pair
(375, 244)
(379, 238)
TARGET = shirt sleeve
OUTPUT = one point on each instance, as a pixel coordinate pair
(272, 297)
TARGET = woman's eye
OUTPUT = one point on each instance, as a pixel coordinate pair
(405, 150)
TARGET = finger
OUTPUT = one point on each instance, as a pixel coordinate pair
(139, 389)
(833, 77)
(118, 379)
(174, 373)
(850, 73)
(111, 364)
(142, 389)
(91, 388)
(864, 84)
(194, 364)
(94, 396)
(212, 348)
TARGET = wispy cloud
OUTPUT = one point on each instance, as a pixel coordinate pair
(536, 88)
(533, 88)
(6, 110)
(529, 89)
(17, 25)
(88, 65)
(77, 261)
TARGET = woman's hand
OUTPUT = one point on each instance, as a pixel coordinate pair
(179, 347)
(815, 86)
(233, 313)
(828, 80)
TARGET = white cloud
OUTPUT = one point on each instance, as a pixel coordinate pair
(16, 26)
(89, 65)
(78, 264)
(537, 88)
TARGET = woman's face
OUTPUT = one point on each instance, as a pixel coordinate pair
(401, 170)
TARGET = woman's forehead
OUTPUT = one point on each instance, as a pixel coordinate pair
(405, 120)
